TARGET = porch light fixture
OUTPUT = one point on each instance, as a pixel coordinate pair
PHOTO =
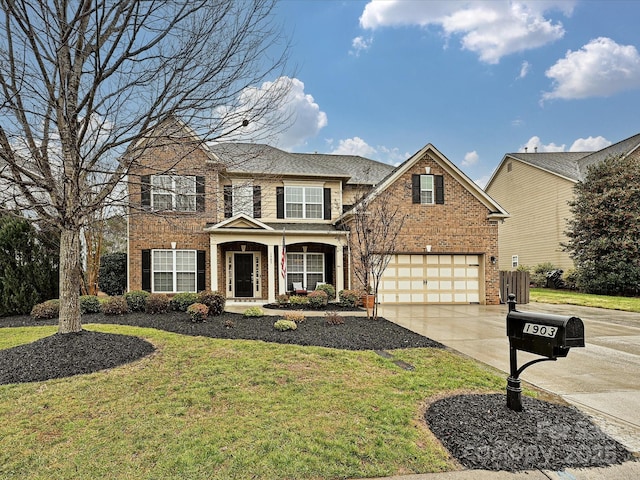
(493, 260)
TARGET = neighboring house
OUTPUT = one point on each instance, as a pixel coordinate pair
(535, 188)
(216, 217)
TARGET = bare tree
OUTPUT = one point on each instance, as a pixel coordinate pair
(374, 224)
(83, 83)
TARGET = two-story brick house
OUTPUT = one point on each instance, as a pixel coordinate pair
(216, 217)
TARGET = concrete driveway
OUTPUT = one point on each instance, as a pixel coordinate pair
(602, 379)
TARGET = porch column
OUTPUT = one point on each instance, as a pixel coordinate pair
(271, 274)
(339, 268)
(213, 253)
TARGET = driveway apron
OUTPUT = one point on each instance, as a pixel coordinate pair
(602, 379)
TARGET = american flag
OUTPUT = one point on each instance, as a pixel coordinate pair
(283, 259)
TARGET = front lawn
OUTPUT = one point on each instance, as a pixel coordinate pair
(568, 297)
(207, 408)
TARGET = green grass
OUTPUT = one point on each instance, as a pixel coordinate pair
(202, 408)
(567, 297)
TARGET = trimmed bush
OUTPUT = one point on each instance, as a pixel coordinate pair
(329, 289)
(214, 300)
(253, 312)
(284, 325)
(115, 306)
(181, 301)
(46, 310)
(112, 278)
(89, 304)
(298, 300)
(297, 317)
(539, 274)
(318, 299)
(282, 299)
(137, 300)
(349, 298)
(157, 303)
(198, 312)
(333, 318)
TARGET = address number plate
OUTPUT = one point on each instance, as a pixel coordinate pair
(540, 330)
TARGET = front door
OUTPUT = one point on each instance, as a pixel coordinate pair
(243, 274)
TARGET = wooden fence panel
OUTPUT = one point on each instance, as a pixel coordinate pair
(514, 282)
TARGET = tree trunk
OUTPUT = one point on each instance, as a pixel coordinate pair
(70, 271)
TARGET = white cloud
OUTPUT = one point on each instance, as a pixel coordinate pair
(492, 29)
(599, 69)
(482, 181)
(360, 44)
(590, 144)
(354, 146)
(535, 145)
(470, 158)
(524, 69)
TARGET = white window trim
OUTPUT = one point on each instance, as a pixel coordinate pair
(174, 192)
(174, 271)
(305, 273)
(305, 202)
(514, 261)
(432, 190)
(242, 198)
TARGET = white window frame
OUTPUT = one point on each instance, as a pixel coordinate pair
(305, 272)
(174, 270)
(242, 199)
(427, 194)
(514, 261)
(305, 202)
(176, 190)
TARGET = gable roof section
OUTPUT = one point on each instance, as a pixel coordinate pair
(242, 221)
(259, 159)
(624, 148)
(495, 210)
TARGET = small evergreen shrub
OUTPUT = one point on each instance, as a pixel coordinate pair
(46, 310)
(333, 318)
(349, 298)
(198, 312)
(181, 301)
(89, 304)
(570, 278)
(284, 325)
(137, 300)
(113, 273)
(318, 299)
(298, 300)
(297, 317)
(157, 303)
(115, 306)
(253, 312)
(330, 290)
(539, 274)
(282, 299)
(214, 300)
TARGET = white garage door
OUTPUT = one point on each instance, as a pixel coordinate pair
(431, 279)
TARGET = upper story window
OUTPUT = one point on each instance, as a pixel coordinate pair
(173, 192)
(303, 202)
(427, 189)
(514, 261)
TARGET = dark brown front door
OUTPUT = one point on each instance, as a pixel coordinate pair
(243, 273)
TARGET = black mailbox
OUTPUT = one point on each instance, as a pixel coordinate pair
(544, 334)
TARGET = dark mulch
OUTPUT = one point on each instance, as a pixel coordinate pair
(331, 307)
(482, 433)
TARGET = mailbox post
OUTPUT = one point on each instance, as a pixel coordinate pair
(550, 336)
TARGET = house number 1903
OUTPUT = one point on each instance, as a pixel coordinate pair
(540, 330)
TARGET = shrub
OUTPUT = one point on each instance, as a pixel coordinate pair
(198, 312)
(181, 301)
(137, 300)
(214, 300)
(282, 299)
(297, 317)
(349, 298)
(570, 278)
(330, 290)
(112, 278)
(89, 304)
(45, 310)
(298, 300)
(318, 299)
(539, 274)
(333, 318)
(228, 323)
(116, 305)
(284, 325)
(157, 303)
(253, 312)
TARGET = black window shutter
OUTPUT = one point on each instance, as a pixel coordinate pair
(145, 190)
(280, 202)
(415, 188)
(439, 181)
(329, 260)
(201, 279)
(327, 204)
(199, 194)
(228, 201)
(257, 201)
(146, 270)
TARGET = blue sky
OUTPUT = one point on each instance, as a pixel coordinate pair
(478, 79)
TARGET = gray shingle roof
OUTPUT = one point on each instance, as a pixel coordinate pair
(623, 147)
(560, 163)
(248, 158)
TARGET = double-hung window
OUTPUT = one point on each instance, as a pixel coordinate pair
(307, 268)
(173, 192)
(426, 189)
(304, 202)
(173, 271)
